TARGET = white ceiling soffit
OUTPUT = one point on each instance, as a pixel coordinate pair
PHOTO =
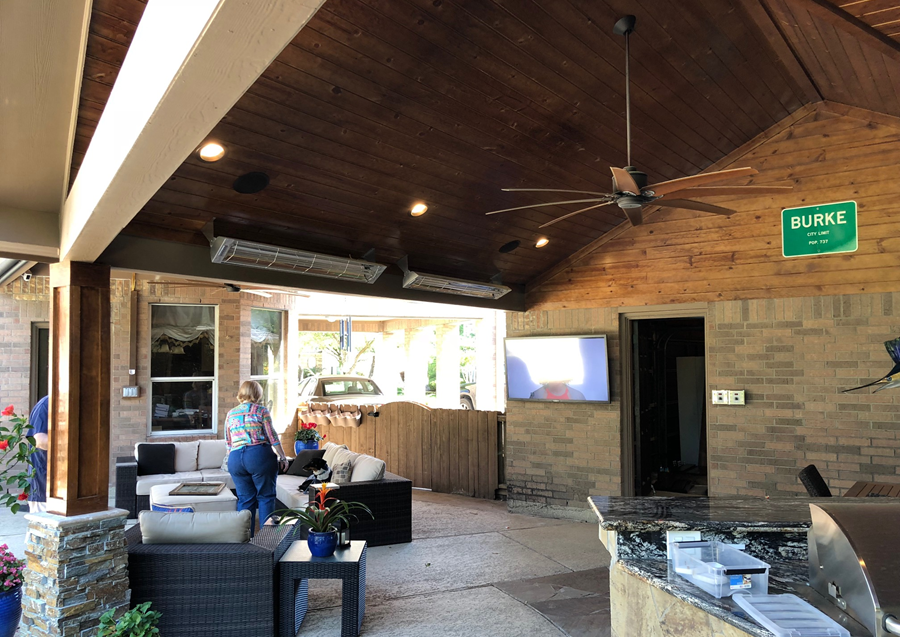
(188, 64)
(42, 46)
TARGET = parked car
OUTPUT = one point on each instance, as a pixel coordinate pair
(467, 397)
(340, 389)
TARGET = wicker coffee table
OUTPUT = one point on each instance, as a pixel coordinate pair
(297, 566)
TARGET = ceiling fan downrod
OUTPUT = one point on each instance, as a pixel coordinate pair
(625, 26)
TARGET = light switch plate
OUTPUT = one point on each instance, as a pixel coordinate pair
(720, 397)
(735, 397)
(677, 537)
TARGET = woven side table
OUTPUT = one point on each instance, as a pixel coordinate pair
(297, 566)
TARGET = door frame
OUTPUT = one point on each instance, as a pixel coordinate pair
(36, 327)
(627, 317)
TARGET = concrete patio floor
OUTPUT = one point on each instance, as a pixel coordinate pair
(474, 569)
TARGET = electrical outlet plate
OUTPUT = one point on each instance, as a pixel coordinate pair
(735, 397)
(678, 536)
(720, 397)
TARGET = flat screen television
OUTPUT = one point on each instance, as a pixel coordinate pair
(569, 368)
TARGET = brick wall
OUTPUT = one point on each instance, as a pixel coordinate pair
(559, 454)
(22, 303)
(792, 357)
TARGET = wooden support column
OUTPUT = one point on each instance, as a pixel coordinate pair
(78, 456)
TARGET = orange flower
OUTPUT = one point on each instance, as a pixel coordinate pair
(4, 445)
(8, 410)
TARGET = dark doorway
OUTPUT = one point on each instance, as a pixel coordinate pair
(40, 360)
(669, 407)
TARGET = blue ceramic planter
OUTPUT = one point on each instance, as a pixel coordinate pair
(305, 445)
(322, 544)
(11, 610)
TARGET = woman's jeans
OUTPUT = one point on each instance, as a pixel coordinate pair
(254, 470)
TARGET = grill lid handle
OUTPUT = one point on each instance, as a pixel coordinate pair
(892, 625)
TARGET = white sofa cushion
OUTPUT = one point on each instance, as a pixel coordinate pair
(216, 475)
(367, 468)
(186, 456)
(343, 456)
(199, 527)
(144, 483)
(210, 454)
(330, 450)
(286, 491)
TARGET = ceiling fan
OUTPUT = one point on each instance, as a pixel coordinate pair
(629, 185)
(228, 287)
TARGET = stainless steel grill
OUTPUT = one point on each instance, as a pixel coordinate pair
(854, 562)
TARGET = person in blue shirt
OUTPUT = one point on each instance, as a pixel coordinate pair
(37, 493)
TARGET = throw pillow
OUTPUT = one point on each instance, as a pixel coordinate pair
(170, 508)
(155, 458)
(340, 473)
(305, 456)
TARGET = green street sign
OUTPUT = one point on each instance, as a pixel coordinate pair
(819, 230)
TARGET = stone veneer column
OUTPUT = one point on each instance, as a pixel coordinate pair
(77, 571)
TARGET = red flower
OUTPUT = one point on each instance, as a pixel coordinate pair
(324, 435)
(4, 445)
(8, 410)
(23, 496)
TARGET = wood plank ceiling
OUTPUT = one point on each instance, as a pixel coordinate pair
(378, 104)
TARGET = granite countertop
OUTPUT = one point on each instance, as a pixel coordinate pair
(728, 514)
(785, 577)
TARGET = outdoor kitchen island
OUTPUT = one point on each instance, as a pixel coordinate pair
(647, 597)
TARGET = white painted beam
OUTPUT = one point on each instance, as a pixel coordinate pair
(188, 64)
(42, 44)
(27, 234)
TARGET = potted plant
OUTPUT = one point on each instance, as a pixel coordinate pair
(323, 515)
(10, 591)
(139, 621)
(307, 437)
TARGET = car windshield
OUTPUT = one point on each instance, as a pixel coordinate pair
(337, 387)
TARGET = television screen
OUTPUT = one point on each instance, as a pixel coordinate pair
(573, 368)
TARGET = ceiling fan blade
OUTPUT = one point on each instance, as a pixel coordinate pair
(273, 291)
(634, 215)
(691, 205)
(716, 191)
(571, 201)
(682, 183)
(624, 181)
(261, 293)
(577, 212)
(552, 190)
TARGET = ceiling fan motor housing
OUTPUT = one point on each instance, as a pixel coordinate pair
(640, 177)
(629, 201)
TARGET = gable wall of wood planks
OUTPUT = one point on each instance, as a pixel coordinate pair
(682, 256)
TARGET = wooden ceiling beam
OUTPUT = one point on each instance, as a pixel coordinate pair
(186, 67)
(760, 14)
(840, 19)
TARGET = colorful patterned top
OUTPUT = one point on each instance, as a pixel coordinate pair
(249, 424)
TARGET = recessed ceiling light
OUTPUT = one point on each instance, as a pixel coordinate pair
(510, 246)
(418, 209)
(251, 182)
(212, 152)
(540, 243)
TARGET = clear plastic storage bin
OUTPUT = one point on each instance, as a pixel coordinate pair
(787, 615)
(719, 569)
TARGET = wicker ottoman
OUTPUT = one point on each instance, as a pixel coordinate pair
(224, 501)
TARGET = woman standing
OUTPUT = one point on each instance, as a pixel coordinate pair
(252, 462)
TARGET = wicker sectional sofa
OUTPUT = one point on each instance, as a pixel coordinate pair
(389, 498)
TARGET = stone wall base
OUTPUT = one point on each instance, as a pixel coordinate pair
(77, 570)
